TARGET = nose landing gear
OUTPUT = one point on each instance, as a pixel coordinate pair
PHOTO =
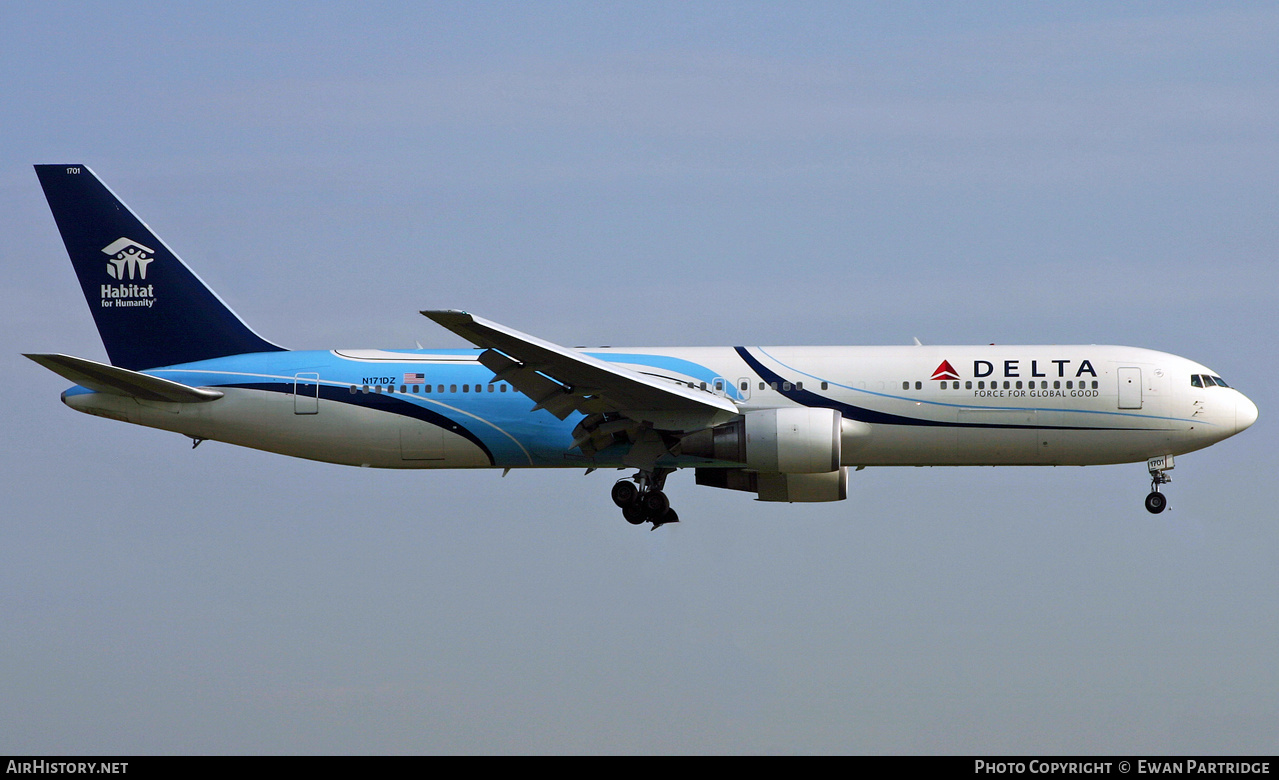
(1157, 502)
(642, 501)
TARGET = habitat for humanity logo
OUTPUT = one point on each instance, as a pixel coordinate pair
(128, 260)
(128, 255)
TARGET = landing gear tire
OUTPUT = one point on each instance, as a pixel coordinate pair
(656, 503)
(625, 493)
(635, 514)
(1156, 502)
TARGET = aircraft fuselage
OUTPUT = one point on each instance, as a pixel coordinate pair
(920, 405)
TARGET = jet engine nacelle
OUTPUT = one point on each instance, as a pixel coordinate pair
(790, 454)
(790, 440)
(793, 440)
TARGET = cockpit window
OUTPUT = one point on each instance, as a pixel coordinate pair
(1206, 380)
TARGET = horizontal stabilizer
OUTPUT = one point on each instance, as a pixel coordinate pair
(102, 378)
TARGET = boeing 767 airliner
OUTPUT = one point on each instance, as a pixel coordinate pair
(783, 423)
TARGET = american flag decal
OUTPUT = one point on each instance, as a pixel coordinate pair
(414, 377)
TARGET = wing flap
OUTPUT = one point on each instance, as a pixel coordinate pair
(546, 393)
(103, 378)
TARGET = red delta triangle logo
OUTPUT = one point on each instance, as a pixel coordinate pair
(945, 371)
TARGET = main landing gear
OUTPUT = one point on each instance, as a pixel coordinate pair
(1157, 502)
(642, 500)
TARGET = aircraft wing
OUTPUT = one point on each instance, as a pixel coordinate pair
(563, 380)
(102, 378)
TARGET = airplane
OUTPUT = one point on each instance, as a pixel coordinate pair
(786, 424)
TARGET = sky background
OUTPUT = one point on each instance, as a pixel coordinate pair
(646, 174)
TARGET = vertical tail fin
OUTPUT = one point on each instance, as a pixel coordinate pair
(150, 309)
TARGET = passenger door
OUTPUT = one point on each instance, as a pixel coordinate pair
(306, 393)
(1129, 388)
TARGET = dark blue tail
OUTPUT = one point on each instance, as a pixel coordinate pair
(151, 310)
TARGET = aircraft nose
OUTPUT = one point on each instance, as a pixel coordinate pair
(1245, 412)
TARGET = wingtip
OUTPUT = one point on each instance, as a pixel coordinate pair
(44, 359)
